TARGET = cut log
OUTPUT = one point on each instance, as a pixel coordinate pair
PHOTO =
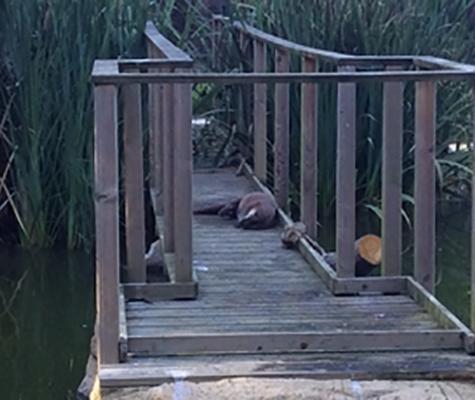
(367, 255)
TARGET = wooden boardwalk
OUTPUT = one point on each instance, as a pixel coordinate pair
(254, 308)
(261, 306)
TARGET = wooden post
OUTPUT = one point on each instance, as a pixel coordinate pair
(308, 173)
(424, 230)
(155, 138)
(281, 133)
(183, 183)
(134, 184)
(393, 115)
(168, 167)
(260, 114)
(472, 291)
(346, 178)
(107, 222)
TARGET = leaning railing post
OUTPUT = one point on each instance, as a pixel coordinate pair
(281, 132)
(424, 229)
(393, 114)
(106, 181)
(346, 177)
(134, 184)
(260, 113)
(183, 182)
(308, 170)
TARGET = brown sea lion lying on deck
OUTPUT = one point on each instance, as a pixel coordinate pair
(255, 210)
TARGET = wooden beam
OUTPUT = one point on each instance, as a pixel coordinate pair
(169, 167)
(106, 189)
(281, 133)
(393, 114)
(260, 114)
(355, 286)
(424, 227)
(156, 133)
(282, 78)
(308, 151)
(440, 313)
(166, 48)
(161, 291)
(346, 178)
(183, 171)
(271, 342)
(134, 184)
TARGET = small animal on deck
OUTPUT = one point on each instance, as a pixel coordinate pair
(255, 210)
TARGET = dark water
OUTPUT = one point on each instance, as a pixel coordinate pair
(47, 312)
(46, 320)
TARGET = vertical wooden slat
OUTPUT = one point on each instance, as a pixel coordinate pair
(393, 115)
(107, 222)
(168, 168)
(346, 177)
(260, 114)
(281, 132)
(424, 229)
(155, 138)
(183, 183)
(308, 174)
(133, 184)
(472, 291)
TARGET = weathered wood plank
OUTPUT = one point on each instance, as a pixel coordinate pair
(260, 114)
(169, 167)
(183, 170)
(166, 48)
(107, 222)
(363, 366)
(308, 151)
(161, 291)
(393, 114)
(346, 178)
(281, 133)
(291, 342)
(283, 78)
(134, 184)
(352, 286)
(424, 214)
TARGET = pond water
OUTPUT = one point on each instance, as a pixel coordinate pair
(46, 320)
(47, 307)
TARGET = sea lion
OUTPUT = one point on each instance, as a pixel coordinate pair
(255, 210)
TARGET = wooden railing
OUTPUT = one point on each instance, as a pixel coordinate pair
(346, 66)
(169, 112)
(169, 116)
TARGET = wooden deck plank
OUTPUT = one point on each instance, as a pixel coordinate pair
(382, 365)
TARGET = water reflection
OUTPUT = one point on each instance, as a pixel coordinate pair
(46, 319)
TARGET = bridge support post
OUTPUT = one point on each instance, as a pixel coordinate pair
(472, 292)
(424, 229)
(260, 114)
(281, 132)
(308, 170)
(346, 177)
(134, 184)
(183, 182)
(106, 181)
(393, 115)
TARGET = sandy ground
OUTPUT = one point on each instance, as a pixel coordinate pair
(300, 389)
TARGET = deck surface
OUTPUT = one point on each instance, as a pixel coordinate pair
(249, 285)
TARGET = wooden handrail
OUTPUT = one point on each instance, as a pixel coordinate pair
(166, 48)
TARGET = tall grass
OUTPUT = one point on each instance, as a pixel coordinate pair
(432, 27)
(47, 51)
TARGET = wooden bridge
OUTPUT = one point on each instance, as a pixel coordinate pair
(236, 302)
